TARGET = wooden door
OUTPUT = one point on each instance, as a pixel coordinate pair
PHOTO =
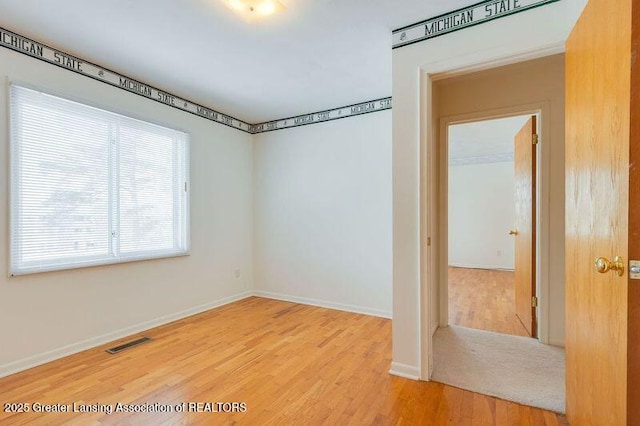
(602, 189)
(525, 225)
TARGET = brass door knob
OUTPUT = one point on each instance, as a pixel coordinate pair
(513, 232)
(604, 265)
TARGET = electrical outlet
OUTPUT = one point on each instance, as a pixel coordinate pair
(237, 273)
(499, 253)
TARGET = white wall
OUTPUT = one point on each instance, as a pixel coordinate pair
(481, 213)
(44, 316)
(533, 33)
(323, 214)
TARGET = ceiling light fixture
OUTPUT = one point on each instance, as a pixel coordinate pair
(254, 9)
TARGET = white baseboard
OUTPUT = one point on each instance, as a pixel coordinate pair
(558, 343)
(43, 358)
(324, 304)
(33, 361)
(477, 266)
(406, 371)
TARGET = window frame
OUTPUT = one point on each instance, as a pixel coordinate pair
(98, 260)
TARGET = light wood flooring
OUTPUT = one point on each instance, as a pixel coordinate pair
(483, 299)
(290, 364)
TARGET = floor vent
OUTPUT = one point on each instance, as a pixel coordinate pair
(128, 345)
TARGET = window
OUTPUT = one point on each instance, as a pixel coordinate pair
(90, 187)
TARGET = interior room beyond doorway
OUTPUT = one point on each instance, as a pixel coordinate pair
(534, 87)
(482, 225)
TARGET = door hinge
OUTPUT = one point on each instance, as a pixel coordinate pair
(534, 302)
(534, 140)
(428, 241)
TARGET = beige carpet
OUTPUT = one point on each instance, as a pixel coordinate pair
(514, 368)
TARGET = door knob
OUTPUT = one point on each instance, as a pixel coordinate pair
(512, 232)
(604, 265)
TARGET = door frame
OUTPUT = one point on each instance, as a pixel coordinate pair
(428, 301)
(542, 111)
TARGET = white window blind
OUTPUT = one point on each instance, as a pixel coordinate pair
(91, 187)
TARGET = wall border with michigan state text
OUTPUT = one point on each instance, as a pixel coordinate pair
(459, 19)
(40, 51)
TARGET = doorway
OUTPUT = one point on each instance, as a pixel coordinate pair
(529, 88)
(489, 344)
(487, 220)
(476, 359)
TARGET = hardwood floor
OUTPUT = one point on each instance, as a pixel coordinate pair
(290, 364)
(483, 299)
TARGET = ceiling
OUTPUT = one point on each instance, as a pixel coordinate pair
(482, 141)
(316, 55)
